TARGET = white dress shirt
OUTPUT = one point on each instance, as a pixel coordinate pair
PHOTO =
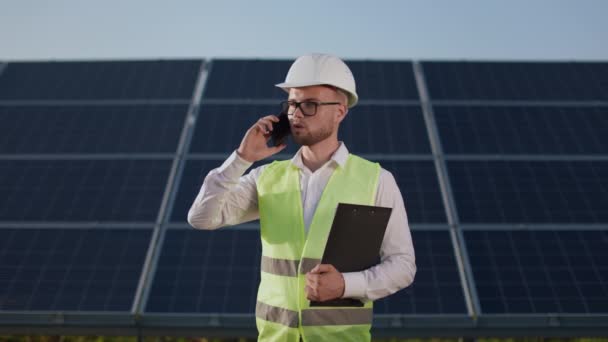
(227, 197)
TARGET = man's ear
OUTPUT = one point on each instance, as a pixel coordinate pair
(342, 112)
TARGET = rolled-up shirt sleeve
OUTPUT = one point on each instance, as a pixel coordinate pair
(226, 197)
(397, 267)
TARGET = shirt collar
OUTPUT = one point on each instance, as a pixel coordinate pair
(339, 157)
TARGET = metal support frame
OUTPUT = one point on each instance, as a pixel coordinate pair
(460, 252)
(224, 325)
(156, 243)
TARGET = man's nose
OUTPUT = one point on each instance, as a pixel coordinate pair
(298, 112)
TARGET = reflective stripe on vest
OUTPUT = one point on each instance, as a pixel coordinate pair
(288, 253)
(313, 317)
(276, 314)
(288, 268)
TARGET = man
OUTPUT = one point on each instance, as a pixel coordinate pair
(295, 201)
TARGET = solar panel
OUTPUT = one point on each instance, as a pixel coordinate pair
(207, 271)
(246, 79)
(99, 80)
(388, 80)
(71, 269)
(523, 130)
(436, 288)
(218, 272)
(366, 129)
(255, 79)
(530, 191)
(82, 190)
(540, 271)
(91, 129)
(385, 129)
(417, 181)
(575, 81)
(220, 128)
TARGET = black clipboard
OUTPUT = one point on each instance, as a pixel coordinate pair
(354, 242)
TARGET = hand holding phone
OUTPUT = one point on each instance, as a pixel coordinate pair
(280, 130)
(255, 143)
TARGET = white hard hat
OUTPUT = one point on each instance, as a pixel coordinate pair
(318, 69)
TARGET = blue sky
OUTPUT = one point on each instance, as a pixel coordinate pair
(430, 29)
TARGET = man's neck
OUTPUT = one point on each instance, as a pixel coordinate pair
(316, 155)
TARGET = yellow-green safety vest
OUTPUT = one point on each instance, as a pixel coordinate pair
(282, 311)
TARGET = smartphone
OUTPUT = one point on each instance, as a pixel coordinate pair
(280, 130)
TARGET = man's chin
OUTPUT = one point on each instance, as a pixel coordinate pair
(308, 139)
(299, 139)
(301, 142)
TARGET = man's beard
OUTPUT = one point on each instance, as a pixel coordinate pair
(312, 138)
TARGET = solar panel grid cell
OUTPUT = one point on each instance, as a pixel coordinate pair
(418, 183)
(522, 130)
(82, 190)
(436, 288)
(99, 80)
(91, 129)
(71, 269)
(246, 79)
(519, 81)
(214, 272)
(530, 191)
(540, 271)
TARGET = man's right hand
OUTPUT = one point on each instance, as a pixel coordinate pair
(254, 145)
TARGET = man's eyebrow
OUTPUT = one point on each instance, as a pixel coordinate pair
(307, 99)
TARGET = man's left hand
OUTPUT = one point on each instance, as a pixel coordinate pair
(324, 282)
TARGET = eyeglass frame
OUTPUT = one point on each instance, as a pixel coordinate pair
(288, 103)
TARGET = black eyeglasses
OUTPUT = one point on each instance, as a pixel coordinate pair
(308, 108)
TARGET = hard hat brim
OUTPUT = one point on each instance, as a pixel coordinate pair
(352, 98)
